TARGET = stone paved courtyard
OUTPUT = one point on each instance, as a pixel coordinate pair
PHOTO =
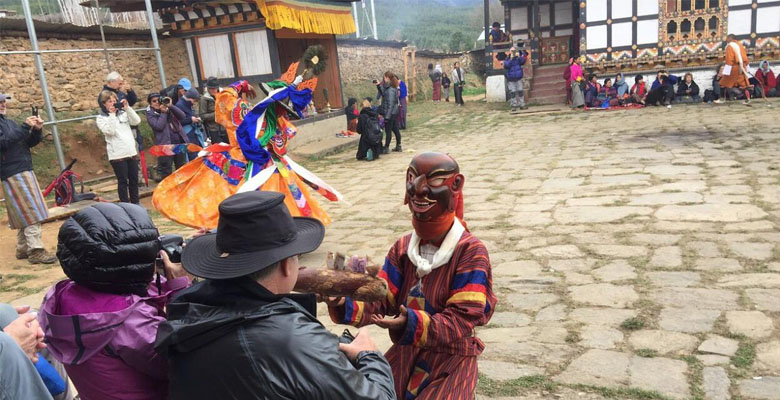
(635, 253)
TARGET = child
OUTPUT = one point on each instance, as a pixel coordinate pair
(370, 145)
(639, 90)
(351, 111)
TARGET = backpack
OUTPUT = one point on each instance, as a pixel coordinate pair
(374, 132)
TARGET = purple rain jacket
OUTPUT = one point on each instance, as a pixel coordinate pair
(106, 341)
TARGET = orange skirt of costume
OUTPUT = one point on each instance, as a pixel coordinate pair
(191, 195)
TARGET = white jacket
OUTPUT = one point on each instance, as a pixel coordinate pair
(120, 139)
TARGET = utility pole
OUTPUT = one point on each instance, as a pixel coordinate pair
(357, 21)
(373, 16)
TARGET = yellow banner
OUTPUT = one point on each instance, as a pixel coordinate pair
(308, 16)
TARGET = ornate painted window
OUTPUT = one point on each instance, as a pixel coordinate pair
(688, 24)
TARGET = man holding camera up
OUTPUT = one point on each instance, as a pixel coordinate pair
(23, 198)
(241, 334)
(514, 77)
(163, 117)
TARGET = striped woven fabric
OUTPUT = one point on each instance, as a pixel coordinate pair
(24, 200)
(438, 348)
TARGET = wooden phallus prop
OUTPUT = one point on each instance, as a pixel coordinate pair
(354, 277)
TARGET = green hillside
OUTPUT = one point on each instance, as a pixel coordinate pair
(431, 25)
(37, 6)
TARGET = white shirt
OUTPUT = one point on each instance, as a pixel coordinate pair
(120, 139)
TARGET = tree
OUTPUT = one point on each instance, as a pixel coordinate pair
(457, 42)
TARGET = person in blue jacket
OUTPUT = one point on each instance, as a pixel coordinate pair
(662, 90)
(514, 77)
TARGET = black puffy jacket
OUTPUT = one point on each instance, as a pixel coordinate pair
(389, 106)
(236, 340)
(15, 143)
(109, 248)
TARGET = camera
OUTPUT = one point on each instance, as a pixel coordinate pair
(172, 246)
(165, 100)
(118, 105)
(34, 110)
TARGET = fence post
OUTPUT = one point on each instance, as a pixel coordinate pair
(153, 28)
(42, 77)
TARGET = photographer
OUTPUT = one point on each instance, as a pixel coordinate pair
(514, 78)
(206, 107)
(190, 122)
(101, 323)
(163, 117)
(116, 84)
(115, 121)
(389, 109)
(23, 199)
(241, 334)
(662, 90)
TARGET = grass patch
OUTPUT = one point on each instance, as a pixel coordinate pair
(745, 355)
(573, 337)
(513, 387)
(647, 353)
(622, 393)
(633, 324)
(19, 278)
(695, 373)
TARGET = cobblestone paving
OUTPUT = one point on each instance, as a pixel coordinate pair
(635, 254)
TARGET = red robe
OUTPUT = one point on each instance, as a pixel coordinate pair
(435, 357)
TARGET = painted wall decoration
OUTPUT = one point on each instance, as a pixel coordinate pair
(675, 33)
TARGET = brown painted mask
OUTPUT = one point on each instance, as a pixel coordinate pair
(433, 192)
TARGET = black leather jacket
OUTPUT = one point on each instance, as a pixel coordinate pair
(389, 105)
(236, 340)
(15, 143)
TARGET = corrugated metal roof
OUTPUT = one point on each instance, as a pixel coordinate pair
(41, 27)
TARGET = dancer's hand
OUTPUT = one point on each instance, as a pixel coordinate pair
(397, 323)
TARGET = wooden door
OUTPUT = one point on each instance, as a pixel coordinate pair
(555, 50)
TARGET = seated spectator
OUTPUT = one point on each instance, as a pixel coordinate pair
(688, 90)
(639, 90)
(370, 131)
(608, 94)
(102, 321)
(206, 107)
(190, 122)
(163, 117)
(715, 94)
(51, 372)
(622, 87)
(20, 342)
(242, 334)
(352, 113)
(767, 79)
(592, 91)
(662, 90)
(115, 124)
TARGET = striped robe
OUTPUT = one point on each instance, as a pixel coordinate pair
(435, 357)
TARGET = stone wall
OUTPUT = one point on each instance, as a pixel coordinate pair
(76, 78)
(362, 61)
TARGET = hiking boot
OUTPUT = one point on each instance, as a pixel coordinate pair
(41, 256)
(386, 150)
(514, 109)
(398, 148)
(21, 254)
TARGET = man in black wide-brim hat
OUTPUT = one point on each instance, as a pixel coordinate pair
(240, 334)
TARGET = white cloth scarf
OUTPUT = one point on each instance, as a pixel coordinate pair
(738, 51)
(442, 256)
(438, 68)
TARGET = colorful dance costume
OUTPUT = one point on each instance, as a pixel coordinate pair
(254, 159)
(447, 291)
